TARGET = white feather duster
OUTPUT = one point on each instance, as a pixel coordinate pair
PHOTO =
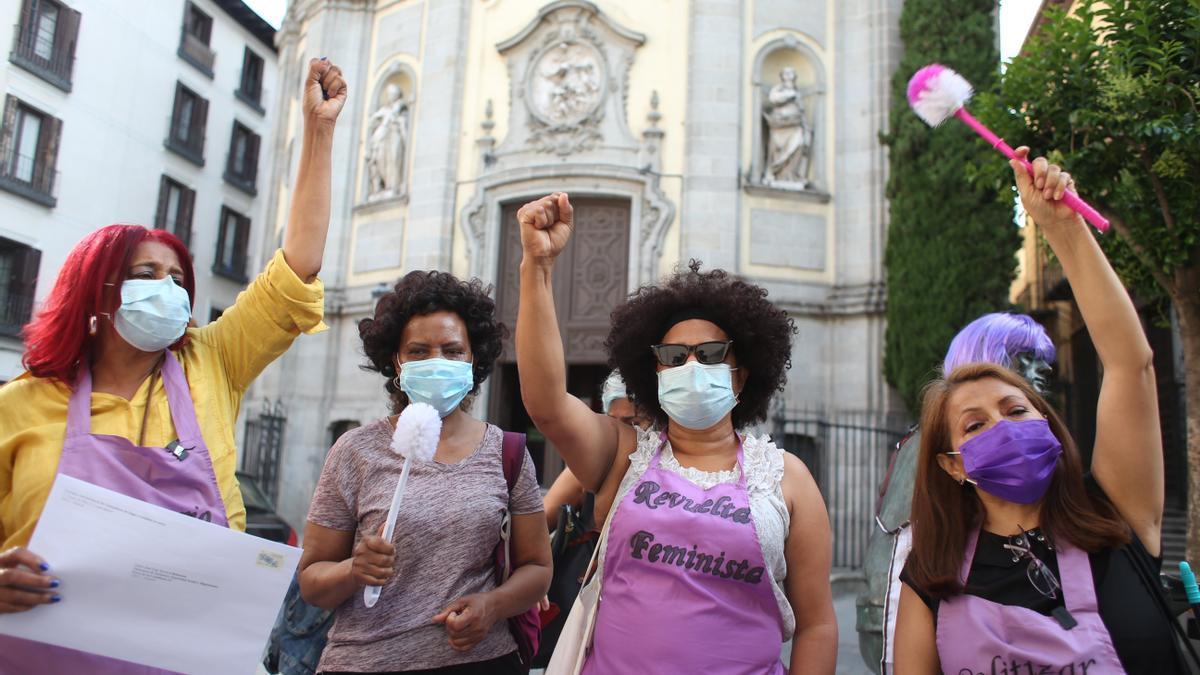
(416, 439)
(936, 92)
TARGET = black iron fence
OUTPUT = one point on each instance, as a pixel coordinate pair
(847, 454)
(263, 447)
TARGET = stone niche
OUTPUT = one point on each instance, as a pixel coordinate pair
(387, 137)
(789, 128)
(568, 72)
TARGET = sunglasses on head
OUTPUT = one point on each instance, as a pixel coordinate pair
(707, 353)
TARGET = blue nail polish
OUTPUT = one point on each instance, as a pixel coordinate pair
(45, 567)
(54, 584)
(324, 58)
(56, 598)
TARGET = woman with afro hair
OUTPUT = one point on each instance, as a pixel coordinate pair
(717, 549)
(434, 339)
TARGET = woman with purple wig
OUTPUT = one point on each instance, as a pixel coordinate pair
(1025, 559)
(1014, 341)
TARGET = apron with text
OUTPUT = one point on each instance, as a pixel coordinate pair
(180, 479)
(685, 587)
(979, 636)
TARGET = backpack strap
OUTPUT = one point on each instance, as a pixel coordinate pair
(513, 455)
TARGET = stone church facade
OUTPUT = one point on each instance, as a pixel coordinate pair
(740, 133)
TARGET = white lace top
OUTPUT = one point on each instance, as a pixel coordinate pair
(764, 480)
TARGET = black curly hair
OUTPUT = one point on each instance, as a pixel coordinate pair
(761, 333)
(420, 293)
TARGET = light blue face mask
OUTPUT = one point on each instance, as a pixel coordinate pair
(154, 313)
(695, 395)
(441, 383)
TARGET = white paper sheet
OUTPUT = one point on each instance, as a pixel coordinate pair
(145, 584)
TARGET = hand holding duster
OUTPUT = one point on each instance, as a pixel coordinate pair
(415, 439)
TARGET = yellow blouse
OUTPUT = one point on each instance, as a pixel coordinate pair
(220, 360)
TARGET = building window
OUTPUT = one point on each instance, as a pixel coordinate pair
(45, 45)
(174, 213)
(242, 167)
(186, 136)
(29, 147)
(250, 89)
(214, 313)
(232, 240)
(194, 39)
(18, 281)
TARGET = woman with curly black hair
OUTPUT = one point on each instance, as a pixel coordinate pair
(434, 339)
(718, 548)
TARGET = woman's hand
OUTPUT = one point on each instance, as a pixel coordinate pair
(1042, 193)
(468, 620)
(374, 561)
(24, 583)
(324, 93)
(546, 226)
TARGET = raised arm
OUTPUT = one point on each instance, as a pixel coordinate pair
(1127, 460)
(587, 441)
(308, 218)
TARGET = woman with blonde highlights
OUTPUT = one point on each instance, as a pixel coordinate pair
(1023, 560)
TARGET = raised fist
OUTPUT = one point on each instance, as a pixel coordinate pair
(546, 226)
(324, 92)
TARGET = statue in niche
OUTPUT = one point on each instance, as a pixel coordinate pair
(789, 137)
(387, 131)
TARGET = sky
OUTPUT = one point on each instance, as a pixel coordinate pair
(270, 10)
(1015, 17)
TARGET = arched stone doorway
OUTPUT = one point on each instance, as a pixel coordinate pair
(590, 279)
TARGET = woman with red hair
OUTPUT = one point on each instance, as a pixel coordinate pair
(120, 392)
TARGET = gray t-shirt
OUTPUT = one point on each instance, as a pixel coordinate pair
(446, 533)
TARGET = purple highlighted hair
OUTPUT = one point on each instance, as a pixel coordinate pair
(997, 338)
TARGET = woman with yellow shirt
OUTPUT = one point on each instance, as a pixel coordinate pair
(121, 393)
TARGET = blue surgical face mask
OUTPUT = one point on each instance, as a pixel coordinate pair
(441, 383)
(695, 395)
(154, 313)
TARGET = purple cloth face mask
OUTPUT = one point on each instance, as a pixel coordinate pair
(1014, 461)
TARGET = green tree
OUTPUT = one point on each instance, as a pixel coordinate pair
(1111, 91)
(951, 244)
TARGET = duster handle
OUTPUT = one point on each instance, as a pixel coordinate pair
(1070, 197)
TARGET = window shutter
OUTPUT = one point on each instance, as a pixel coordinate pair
(47, 159)
(232, 155)
(173, 132)
(252, 141)
(164, 194)
(243, 242)
(183, 220)
(64, 41)
(27, 25)
(199, 118)
(26, 281)
(7, 131)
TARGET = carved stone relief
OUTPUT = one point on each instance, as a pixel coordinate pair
(568, 71)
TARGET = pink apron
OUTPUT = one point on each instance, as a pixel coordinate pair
(685, 587)
(977, 636)
(180, 478)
